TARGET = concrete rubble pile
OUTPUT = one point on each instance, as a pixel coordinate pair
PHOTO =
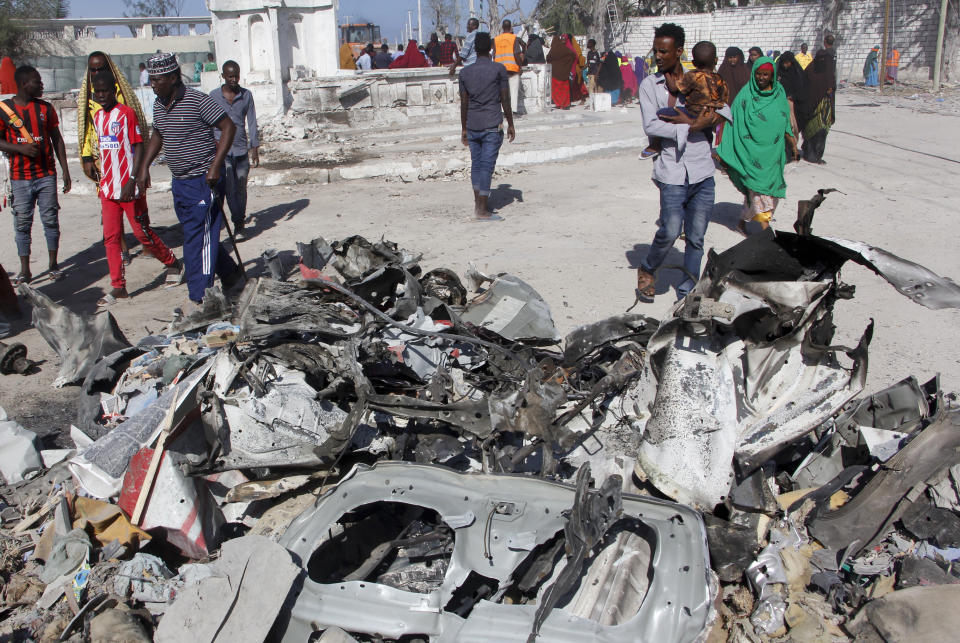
(378, 453)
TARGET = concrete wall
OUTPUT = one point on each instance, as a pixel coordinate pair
(275, 43)
(385, 97)
(65, 73)
(784, 27)
(141, 47)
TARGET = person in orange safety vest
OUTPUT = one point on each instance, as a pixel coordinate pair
(893, 65)
(508, 51)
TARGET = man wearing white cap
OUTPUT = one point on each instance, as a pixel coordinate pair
(183, 123)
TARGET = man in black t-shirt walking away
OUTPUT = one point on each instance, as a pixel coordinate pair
(183, 122)
(484, 101)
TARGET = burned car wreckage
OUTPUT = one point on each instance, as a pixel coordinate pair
(401, 456)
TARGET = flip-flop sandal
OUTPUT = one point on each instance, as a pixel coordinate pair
(127, 258)
(108, 300)
(57, 275)
(646, 285)
(20, 279)
(492, 217)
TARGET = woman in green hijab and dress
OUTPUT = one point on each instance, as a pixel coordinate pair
(752, 147)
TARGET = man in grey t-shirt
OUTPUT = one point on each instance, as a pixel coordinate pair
(484, 102)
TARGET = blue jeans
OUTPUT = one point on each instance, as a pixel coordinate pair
(42, 194)
(200, 219)
(683, 208)
(236, 170)
(484, 150)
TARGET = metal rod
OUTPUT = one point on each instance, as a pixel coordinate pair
(938, 57)
(226, 224)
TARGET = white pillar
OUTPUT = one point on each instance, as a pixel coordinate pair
(276, 72)
(419, 24)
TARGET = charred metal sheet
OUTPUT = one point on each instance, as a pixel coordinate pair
(592, 514)
(284, 426)
(585, 339)
(911, 279)
(739, 388)
(275, 309)
(926, 522)
(880, 502)
(806, 209)
(512, 309)
(77, 340)
(469, 415)
(513, 518)
(902, 406)
(215, 307)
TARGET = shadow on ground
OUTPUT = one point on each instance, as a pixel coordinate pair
(269, 217)
(726, 214)
(667, 278)
(504, 195)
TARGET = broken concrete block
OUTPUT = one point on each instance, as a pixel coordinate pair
(19, 455)
(601, 102)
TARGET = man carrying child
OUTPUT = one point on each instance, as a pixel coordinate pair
(702, 88)
(683, 171)
(121, 149)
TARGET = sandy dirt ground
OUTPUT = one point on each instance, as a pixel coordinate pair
(575, 231)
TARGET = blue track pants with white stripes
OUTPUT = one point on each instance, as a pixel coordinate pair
(203, 254)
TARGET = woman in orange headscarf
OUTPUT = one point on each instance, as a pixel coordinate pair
(578, 89)
(7, 84)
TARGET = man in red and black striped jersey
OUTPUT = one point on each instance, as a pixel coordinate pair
(30, 135)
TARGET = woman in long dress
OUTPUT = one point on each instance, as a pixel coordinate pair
(818, 114)
(562, 60)
(752, 149)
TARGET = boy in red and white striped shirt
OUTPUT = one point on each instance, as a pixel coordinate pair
(121, 145)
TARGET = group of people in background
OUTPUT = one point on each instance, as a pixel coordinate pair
(871, 67)
(210, 142)
(434, 54)
(808, 83)
(745, 118)
(575, 76)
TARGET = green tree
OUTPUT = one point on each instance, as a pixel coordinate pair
(15, 39)
(581, 16)
(155, 8)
